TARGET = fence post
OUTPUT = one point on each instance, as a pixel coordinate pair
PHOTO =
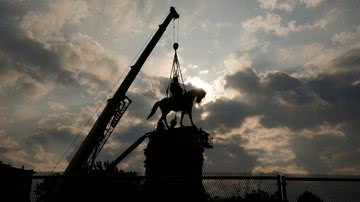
(278, 183)
(283, 182)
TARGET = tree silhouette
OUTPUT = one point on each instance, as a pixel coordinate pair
(308, 197)
(96, 184)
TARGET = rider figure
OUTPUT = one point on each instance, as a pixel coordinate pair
(175, 88)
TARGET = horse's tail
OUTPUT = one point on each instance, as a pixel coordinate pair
(153, 110)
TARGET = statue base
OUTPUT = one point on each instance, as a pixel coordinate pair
(173, 165)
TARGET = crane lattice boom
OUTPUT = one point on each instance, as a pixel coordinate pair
(115, 108)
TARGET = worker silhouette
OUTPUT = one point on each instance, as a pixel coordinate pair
(175, 88)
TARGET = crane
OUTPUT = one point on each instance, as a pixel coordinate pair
(114, 109)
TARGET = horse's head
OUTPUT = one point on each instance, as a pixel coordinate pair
(200, 94)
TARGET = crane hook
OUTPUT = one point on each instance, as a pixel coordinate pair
(176, 46)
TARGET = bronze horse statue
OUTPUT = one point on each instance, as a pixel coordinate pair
(183, 103)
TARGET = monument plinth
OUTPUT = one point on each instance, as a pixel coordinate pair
(173, 164)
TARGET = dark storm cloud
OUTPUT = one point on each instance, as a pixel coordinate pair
(51, 139)
(49, 61)
(27, 51)
(9, 9)
(280, 81)
(58, 62)
(351, 59)
(338, 89)
(229, 157)
(274, 84)
(31, 58)
(132, 132)
(246, 80)
(284, 99)
(250, 82)
(141, 105)
(301, 104)
(326, 153)
(20, 152)
(41, 68)
(277, 96)
(227, 114)
(25, 55)
(148, 90)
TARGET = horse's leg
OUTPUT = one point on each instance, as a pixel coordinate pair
(191, 120)
(163, 117)
(182, 117)
(164, 113)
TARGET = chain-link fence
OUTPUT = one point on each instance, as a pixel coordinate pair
(231, 187)
(321, 188)
(210, 187)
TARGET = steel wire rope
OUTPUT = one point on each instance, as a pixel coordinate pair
(175, 69)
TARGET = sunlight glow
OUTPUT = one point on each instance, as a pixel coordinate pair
(199, 83)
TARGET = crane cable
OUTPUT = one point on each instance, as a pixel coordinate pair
(175, 69)
(176, 30)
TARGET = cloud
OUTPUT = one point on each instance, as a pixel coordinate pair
(311, 3)
(56, 106)
(47, 24)
(278, 94)
(236, 62)
(40, 52)
(326, 154)
(204, 72)
(345, 37)
(29, 63)
(34, 89)
(325, 129)
(218, 116)
(297, 110)
(246, 80)
(8, 80)
(18, 153)
(7, 142)
(125, 17)
(79, 61)
(228, 156)
(273, 23)
(57, 56)
(288, 5)
(88, 62)
(270, 146)
(162, 63)
(51, 137)
(249, 42)
(300, 55)
(58, 121)
(348, 61)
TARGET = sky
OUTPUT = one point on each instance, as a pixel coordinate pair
(282, 79)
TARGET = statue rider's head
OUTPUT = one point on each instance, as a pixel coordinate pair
(176, 79)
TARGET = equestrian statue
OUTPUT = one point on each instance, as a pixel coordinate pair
(178, 103)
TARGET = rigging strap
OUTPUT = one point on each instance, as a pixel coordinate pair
(175, 71)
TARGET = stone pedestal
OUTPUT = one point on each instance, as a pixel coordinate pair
(173, 165)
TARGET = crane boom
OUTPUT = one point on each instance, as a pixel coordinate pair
(114, 108)
(127, 151)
